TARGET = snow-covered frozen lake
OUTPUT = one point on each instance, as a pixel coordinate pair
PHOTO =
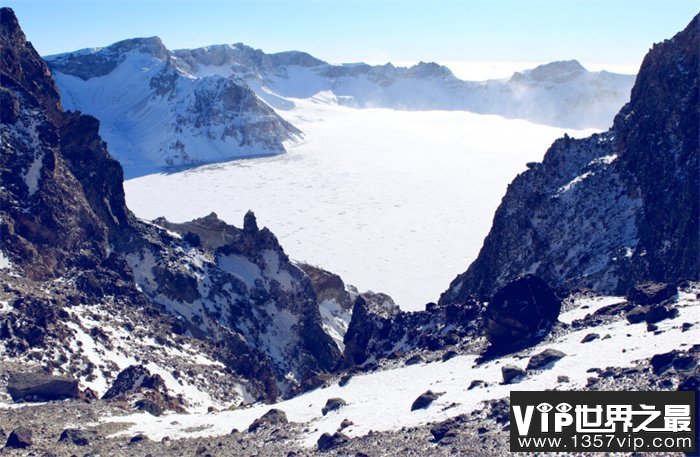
(393, 201)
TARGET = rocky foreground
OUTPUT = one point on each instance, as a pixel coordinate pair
(653, 318)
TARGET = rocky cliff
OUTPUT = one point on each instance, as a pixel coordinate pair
(614, 209)
(220, 313)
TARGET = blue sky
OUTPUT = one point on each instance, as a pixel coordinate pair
(611, 33)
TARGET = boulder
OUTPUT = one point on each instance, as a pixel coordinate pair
(511, 374)
(475, 383)
(522, 311)
(132, 378)
(345, 424)
(328, 441)
(446, 430)
(660, 313)
(20, 438)
(149, 406)
(415, 359)
(138, 438)
(544, 358)
(637, 315)
(76, 436)
(41, 387)
(333, 404)
(662, 362)
(424, 400)
(590, 337)
(651, 293)
(272, 417)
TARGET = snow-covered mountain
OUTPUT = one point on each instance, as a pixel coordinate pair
(153, 112)
(562, 94)
(159, 107)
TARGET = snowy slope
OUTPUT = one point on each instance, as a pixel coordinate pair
(361, 195)
(154, 113)
(561, 93)
(392, 391)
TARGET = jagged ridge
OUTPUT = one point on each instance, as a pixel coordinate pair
(613, 209)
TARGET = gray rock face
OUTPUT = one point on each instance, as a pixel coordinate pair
(612, 210)
(41, 387)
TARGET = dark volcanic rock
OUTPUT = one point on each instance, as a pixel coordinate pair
(660, 313)
(445, 430)
(590, 337)
(41, 387)
(132, 378)
(150, 406)
(333, 404)
(424, 400)
(637, 315)
(328, 441)
(521, 312)
(662, 362)
(544, 358)
(271, 418)
(76, 436)
(138, 438)
(20, 438)
(512, 374)
(651, 293)
(615, 209)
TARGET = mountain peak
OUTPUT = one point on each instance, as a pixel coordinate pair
(147, 45)
(558, 71)
(431, 69)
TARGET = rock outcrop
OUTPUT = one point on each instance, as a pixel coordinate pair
(41, 387)
(614, 209)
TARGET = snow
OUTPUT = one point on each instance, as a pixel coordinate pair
(335, 321)
(126, 349)
(392, 391)
(590, 306)
(5, 263)
(361, 195)
(33, 175)
(240, 267)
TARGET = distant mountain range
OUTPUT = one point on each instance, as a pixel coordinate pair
(160, 107)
